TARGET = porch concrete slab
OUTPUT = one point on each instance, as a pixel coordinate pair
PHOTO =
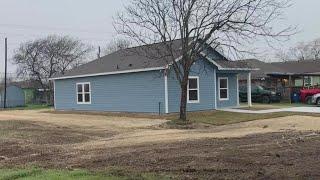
(293, 109)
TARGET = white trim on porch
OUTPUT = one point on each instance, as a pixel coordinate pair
(238, 98)
(249, 90)
(166, 95)
(215, 88)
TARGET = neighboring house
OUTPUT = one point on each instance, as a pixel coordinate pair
(15, 96)
(33, 91)
(285, 77)
(127, 81)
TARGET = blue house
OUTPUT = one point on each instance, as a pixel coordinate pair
(15, 96)
(133, 80)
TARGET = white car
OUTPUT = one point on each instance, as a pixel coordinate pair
(316, 99)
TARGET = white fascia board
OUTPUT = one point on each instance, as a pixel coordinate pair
(228, 69)
(239, 69)
(109, 73)
(211, 60)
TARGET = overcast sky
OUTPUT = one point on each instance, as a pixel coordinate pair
(91, 21)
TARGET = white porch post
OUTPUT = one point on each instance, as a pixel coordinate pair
(166, 95)
(215, 88)
(249, 89)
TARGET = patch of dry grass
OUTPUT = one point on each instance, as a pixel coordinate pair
(216, 118)
(219, 118)
(111, 114)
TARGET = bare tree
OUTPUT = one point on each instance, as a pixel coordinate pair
(116, 45)
(283, 55)
(302, 51)
(199, 24)
(43, 58)
(315, 49)
(10, 79)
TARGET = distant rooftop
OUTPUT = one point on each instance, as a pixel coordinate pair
(307, 67)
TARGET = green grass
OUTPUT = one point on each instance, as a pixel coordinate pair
(42, 174)
(33, 107)
(219, 118)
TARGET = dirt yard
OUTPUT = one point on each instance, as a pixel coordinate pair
(286, 147)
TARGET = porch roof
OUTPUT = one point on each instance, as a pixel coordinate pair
(293, 74)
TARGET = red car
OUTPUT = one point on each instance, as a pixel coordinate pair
(306, 94)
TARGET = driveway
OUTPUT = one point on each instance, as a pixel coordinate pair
(293, 109)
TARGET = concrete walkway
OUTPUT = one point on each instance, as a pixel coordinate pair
(293, 109)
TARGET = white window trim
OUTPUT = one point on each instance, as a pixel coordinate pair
(223, 78)
(83, 93)
(198, 90)
(54, 95)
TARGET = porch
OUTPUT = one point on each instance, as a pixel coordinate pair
(289, 83)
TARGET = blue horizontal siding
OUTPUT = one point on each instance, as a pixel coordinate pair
(143, 91)
(232, 84)
(133, 92)
(15, 97)
(205, 71)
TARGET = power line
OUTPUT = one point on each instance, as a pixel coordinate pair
(19, 26)
(5, 73)
(37, 35)
(9, 72)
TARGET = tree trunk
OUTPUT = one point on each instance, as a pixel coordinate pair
(183, 103)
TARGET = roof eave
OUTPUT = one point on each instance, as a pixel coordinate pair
(239, 69)
(228, 69)
(108, 73)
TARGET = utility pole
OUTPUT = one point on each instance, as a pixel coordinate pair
(5, 72)
(99, 52)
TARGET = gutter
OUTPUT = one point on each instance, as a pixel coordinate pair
(109, 73)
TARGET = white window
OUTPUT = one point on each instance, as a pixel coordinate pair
(223, 89)
(308, 81)
(193, 90)
(83, 93)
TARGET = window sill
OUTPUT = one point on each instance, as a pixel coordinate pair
(83, 103)
(193, 102)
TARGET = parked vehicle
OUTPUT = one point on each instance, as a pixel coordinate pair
(316, 99)
(306, 95)
(259, 94)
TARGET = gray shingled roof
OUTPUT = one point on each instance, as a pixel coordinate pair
(232, 64)
(299, 67)
(283, 68)
(141, 57)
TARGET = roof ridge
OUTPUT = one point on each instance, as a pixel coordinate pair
(155, 43)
